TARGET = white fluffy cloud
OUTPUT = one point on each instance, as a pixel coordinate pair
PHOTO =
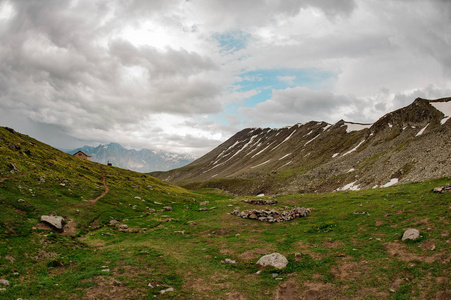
(145, 73)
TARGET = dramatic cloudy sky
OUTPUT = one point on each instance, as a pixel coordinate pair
(184, 75)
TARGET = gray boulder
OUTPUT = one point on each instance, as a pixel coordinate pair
(54, 220)
(275, 260)
(411, 234)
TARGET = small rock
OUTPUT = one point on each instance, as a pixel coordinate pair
(167, 290)
(4, 282)
(114, 222)
(54, 220)
(275, 260)
(203, 203)
(392, 291)
(21, 200)
(274, 275)
(150, 285)
(105, 270)
(42, 179)
(167, 208)
(203, 209)
(139, 198)
(411, 234)
(123, 226)
(433, 248)
(229, 261)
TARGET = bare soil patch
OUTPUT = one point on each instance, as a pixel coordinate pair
(401, 252)
(110, 288)
(255, 253)
(288, 290)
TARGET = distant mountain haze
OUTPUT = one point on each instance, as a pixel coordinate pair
(143, 160)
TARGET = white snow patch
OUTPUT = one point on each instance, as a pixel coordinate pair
(284, 140)
(443, 121)
(375, 187)
(422, 130)
(351, 170)
(214, 175)
(307, 154)
(445, 108)
(356, 127)
(213, 167)
(311, 140)
(309, 132)
(286, 164)
(353, 149)
(261, 164)
(261, 151)
(285, 156)
(260, 195)
(390, 125)
(350, 186)
(327, 127)
(335, 155)
(391, 182)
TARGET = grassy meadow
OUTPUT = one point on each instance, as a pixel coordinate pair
(348, 248)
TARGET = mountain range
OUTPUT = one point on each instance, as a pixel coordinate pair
(407, 145)
(143, 160)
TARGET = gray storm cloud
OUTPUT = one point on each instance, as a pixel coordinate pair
(155, 72)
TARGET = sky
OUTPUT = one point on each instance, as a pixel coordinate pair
(185, 75)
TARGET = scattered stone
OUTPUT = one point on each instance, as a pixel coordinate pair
(123, 226)
(158, 203)
(274, 275)
(167, 208)
(167, 290)
(392, 291)
(229, 261)
(114, 222)
(203, 203)
(150, 285)
(272, 215)
(433, 248)
(260, 202)
(203, 209)
(136, 197)
(4, 282)
(230, 205)
(443, 189)
(212, 207)
(21, 200)
(54, 220)
(42, 179)
(411, 234)
(12, 166)
(275, 260)
(182, 232)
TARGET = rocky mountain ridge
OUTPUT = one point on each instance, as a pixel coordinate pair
(143, 160)
(406, 145)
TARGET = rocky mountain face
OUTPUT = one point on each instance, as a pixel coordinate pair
(143, 160)
(407, 145)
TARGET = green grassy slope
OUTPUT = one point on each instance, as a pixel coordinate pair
(348, 248)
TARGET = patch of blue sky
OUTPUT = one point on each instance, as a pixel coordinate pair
(265, 81)
(233, 40)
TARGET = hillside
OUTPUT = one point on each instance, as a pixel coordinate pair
(143, 160)
(128, 235)
(407, 145)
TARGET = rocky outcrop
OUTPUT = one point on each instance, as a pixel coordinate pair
(410, 144)
(275, 260)
(53, 220)
(272, 215)
(443, 189)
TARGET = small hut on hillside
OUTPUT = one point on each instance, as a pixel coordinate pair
(82, 155)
